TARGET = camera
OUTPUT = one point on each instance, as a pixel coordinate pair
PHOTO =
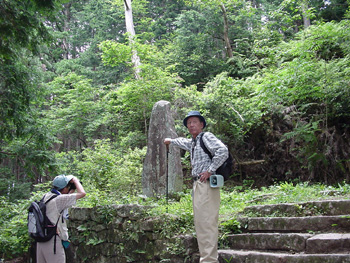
(72, 186)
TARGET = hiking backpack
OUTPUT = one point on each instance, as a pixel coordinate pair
(226, 169)
(40, 227)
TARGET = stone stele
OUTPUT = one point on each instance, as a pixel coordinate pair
(157, 170)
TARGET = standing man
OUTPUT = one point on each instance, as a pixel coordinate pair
(52, 251)
(205, 200)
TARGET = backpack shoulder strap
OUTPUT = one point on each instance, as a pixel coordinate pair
(52, 197)
(205, 149)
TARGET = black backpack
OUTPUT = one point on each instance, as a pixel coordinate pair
(39, 226)
(226, 169)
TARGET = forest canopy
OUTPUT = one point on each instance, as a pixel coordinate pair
(271, 77)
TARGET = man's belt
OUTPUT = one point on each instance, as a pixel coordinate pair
(195, 178)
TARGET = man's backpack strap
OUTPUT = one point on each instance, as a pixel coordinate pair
(205, 149)
(52, 197)
(226, 168)
(54, 248)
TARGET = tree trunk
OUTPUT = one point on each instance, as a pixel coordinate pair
(226, 38)
(129, 22)
(67, 17)
(306, 19)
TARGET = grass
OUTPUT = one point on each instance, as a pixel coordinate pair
(235, 199)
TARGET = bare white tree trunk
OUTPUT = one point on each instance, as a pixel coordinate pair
(131, 30)
(67, 14)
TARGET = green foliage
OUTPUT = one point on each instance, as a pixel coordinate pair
(305, 134)
(230, 107)
(14, 238)
(242, 66)
(23, 140)
(27, 30)
(133, 101)
(115, 53)
(105, 168)
(231, 226)
(324, 41)
(14, 190)
(31, 152)
(23, 32)
(306, 81)
(75, 108)
(193, 36)
(76, 46)
(160, 21)
(239, 110)
(330, 11)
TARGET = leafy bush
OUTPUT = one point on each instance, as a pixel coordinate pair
(106, 168)
(14, 238)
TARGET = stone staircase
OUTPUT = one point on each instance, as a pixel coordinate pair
(310, 232)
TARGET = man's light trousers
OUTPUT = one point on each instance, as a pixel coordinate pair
(206, 204)
(45, 251)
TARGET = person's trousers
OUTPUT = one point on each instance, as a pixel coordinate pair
(206, 205)
(45, 251)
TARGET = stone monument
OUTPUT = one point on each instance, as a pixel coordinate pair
(157, 171)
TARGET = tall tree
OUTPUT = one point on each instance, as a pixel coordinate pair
(23, 32)
(221, 5)
(306, 15)
(226, 29)
(129, 22)
(198, 50)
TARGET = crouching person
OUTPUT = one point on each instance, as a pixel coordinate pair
(61, 197)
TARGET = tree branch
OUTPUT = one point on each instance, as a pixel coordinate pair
(7, 153)
(126, 5)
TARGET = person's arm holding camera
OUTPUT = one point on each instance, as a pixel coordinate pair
(78, 186)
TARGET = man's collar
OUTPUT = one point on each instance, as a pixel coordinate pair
(198, 136)
(54, 191)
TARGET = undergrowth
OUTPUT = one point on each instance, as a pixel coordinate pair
(14, 240)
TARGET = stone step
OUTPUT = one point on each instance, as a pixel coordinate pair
(242, 256)
(324, 207)
(292, 242)
(311, 232)
(309, 224)
(328, 243)
(269, 241)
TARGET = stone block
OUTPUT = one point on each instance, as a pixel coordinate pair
(328, 243)
(293, 224)
(269, 241)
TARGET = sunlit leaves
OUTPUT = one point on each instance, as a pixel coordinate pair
(115, 53)
(75, 107)
(326, 41)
